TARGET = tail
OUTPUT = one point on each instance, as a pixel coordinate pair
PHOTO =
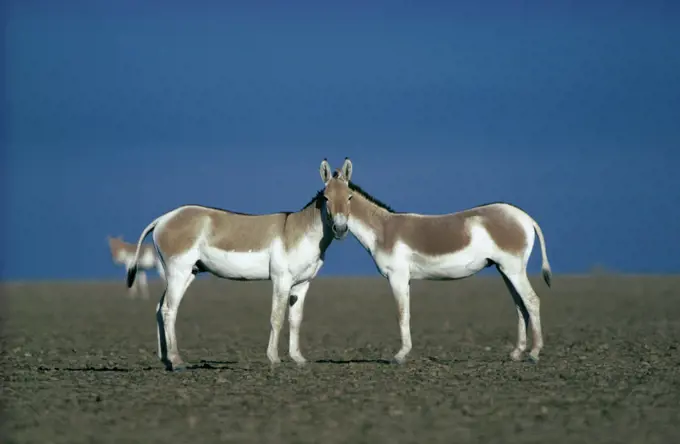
(132, 271)
(545, 268)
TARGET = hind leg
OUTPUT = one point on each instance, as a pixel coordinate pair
(160, 270)
(522, 320)
(178, 282)
(160, 331)
(532, 304)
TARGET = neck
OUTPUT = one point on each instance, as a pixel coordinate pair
(312, 216)
(366, 221)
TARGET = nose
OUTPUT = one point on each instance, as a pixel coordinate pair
(340, 224)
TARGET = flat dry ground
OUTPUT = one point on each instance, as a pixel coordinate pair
(79, 365)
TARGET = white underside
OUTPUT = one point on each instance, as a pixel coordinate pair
(299, 264)
(236, 265)
(457, 265)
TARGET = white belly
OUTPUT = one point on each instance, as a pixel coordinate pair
(456, 265)
(253, 265)
(450, 266)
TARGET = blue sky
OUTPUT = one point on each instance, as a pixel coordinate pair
(117, 113)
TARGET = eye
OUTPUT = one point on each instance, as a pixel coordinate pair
(350, 197)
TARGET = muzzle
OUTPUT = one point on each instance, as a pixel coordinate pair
(339, 226)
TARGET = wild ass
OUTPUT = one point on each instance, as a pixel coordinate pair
(123, 253)
(407, 246)
(287, 248)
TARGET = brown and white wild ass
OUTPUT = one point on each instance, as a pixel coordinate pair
(123, 253)
(287, 248)
(407, 246)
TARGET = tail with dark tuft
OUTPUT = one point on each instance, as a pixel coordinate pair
(547, 276)
(545, 267)
(131, 275)
(132, 271)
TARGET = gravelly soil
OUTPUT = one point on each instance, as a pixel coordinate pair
(79, 365)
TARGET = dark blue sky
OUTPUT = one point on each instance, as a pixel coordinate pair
(115, 114)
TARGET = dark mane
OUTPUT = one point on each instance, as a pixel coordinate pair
(357, 189)
(316, 199)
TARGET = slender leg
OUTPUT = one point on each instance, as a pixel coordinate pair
(401, 291)
(162, 343)
(281, 290)
(296, 301)
(532, 305)
(522, 320)
(178, 282)
(160, 330)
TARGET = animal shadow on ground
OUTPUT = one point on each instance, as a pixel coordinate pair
(354, 361)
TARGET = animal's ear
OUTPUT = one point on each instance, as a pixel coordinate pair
(347, 169)
(325, 171)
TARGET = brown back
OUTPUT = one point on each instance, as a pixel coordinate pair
(233, 231)
(439, 234)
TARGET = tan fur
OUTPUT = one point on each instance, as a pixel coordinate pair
(232, 231)
(336, 194)
(438, 235)
(505, 231)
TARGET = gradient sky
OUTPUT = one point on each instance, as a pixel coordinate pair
(116, 113)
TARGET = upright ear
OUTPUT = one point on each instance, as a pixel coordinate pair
(347, 169)
(325, 171)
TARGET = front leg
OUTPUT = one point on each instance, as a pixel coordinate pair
(399, 282)
(281, 289)
(296, 301)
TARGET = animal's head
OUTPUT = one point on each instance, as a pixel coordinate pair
(114, 243)
(337, 196)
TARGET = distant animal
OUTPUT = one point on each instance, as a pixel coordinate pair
(287, 248)
(123, 253)
(408, 246)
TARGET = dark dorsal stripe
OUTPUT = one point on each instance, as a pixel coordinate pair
(357, 189)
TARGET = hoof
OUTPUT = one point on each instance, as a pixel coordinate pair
(399, 360)
(533, 358)
(300, 362)
(516, 355)
(175, 367)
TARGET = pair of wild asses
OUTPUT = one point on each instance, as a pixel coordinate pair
(289, 248)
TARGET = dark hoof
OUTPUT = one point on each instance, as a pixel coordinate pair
(180, 368)
(175, 368)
